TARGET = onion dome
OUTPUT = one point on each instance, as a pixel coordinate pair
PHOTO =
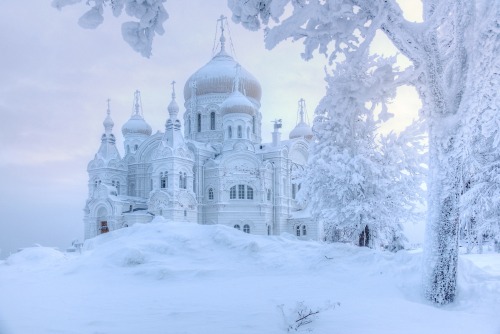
(302, 129)
(173, 108)
(136, 124)
(237, 102)
(217, 76)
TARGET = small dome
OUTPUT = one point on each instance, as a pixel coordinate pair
(237, 103)
(108, 122)
(136, 125)
(217, 77)
(173, 107)
(301, 130)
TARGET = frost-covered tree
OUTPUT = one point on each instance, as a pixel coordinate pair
(138, 34)
(364, 185)
(448, 62)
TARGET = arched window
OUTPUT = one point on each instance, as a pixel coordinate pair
(298, 230)
(184, 185)
(164, 180)
(212, 120)
(304, 230)
(246, 228)
(210, 194)
(199, 122)
(249, 192)
(240, 131)
(269, 194)
(118, 187)
(237, 226)
(136, 147)
(229, 132)
(241, 191)
(180, 180)
(253, 124)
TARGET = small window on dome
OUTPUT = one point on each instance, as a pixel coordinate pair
(240, 131)
(136, 147)
(246, 228)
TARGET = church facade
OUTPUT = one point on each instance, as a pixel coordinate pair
(213, 170)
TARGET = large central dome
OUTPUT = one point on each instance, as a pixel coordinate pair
(217, 77)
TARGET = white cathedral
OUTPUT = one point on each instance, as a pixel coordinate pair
(217, 172)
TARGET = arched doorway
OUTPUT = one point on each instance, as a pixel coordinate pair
(102, 220)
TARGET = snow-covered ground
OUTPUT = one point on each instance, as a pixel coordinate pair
(168, 277)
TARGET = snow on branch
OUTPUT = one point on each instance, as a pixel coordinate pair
(151, 15)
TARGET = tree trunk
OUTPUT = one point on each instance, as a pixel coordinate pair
(442, 230)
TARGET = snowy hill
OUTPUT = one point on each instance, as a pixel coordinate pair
(167, 277)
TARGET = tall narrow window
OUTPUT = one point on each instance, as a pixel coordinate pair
(232, 192)
(246, 228)
(249, 192)
(253, 124)
(240, 131)
(189, 126)
(269, 194)
(210, 194)
(118, 187)
(212, 120)
(164, 180)
(241, 191)
(229, 132)
(184, 185)
(298, 231)
(199, 122)
(194, 179)
(136, 147)
(248, 133)
(180, 180)
(304, 230)
(294, 190)
(268, 229)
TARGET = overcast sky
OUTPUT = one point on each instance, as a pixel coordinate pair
(55, 78)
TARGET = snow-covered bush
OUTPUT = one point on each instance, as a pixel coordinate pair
(301, 316)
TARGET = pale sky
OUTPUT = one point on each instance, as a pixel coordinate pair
(55, 78)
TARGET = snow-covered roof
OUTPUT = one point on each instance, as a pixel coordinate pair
(136, 125)
(237, 103)
(217, 76)
(301, 130)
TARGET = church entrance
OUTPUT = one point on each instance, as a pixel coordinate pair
(104, 227)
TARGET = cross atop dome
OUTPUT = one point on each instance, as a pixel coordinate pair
(222, 25)
(137, 110)
(222, 38)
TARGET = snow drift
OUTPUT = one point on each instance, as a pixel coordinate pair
(168, 277)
